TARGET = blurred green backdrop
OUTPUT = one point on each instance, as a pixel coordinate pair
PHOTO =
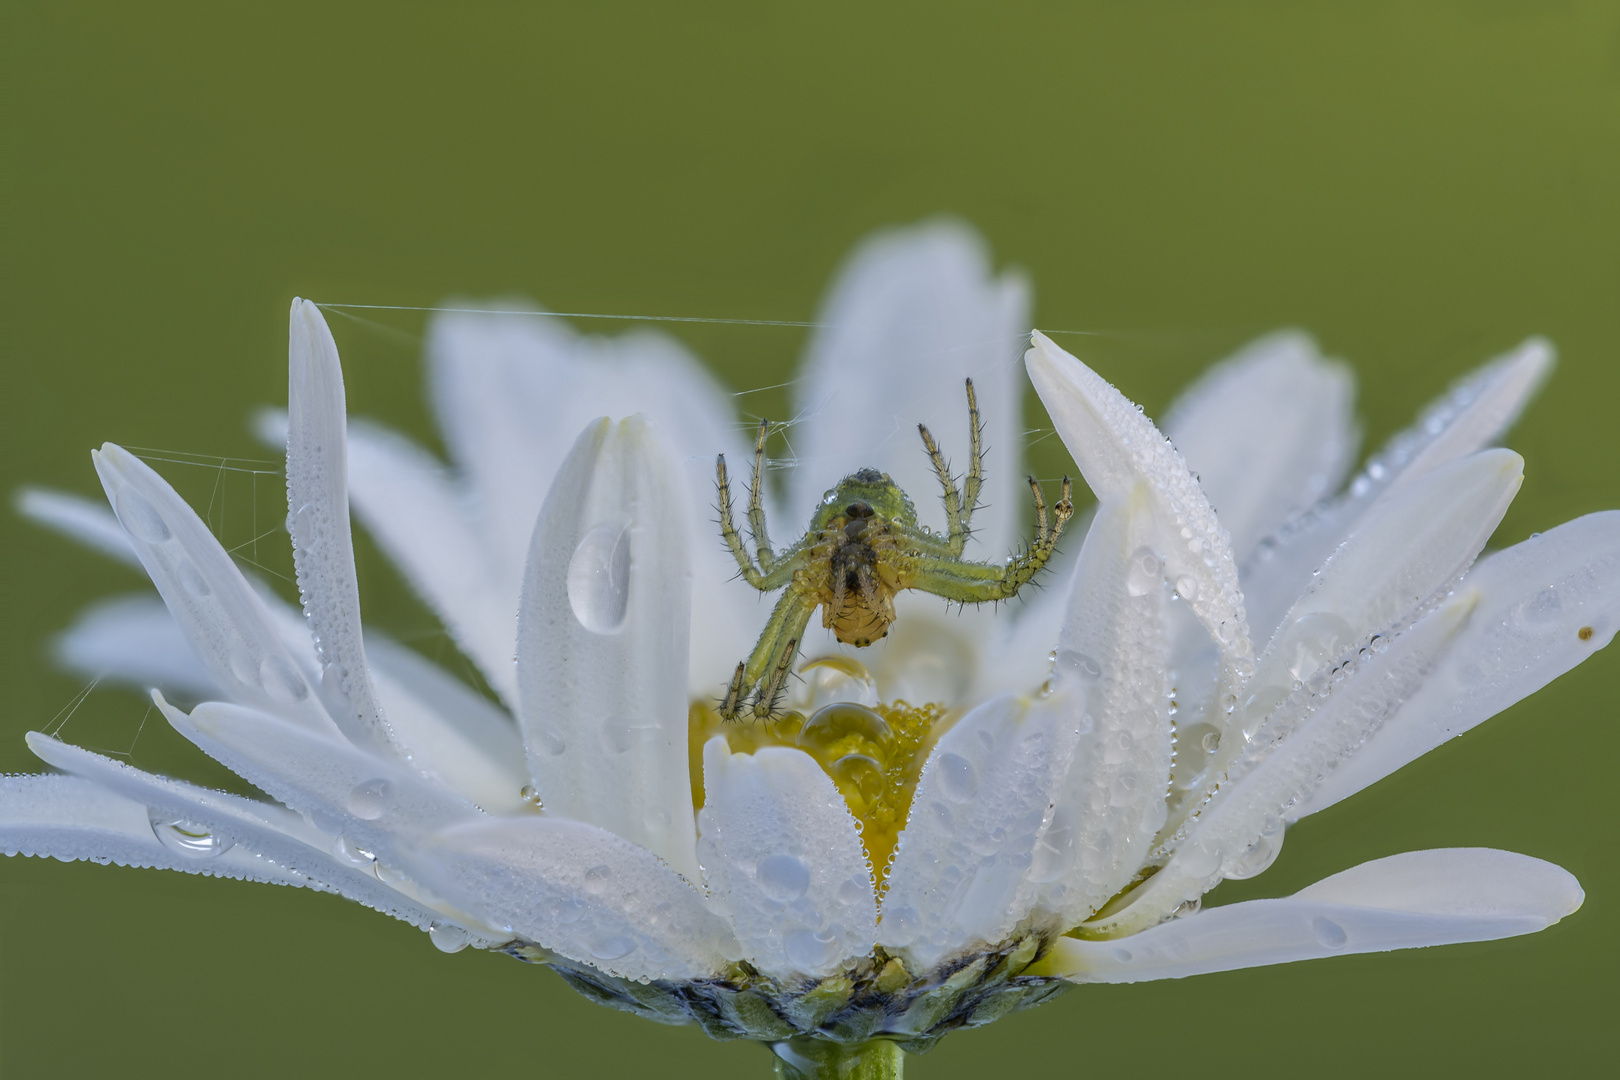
(1421, 185)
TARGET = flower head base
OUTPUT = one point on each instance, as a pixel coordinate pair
(958, 821)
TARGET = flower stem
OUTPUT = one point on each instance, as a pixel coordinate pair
(817, 1059)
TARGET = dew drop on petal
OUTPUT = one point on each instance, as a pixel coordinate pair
(1329, 934)
(958, 781)
(782, 877)
(611, 946)
(599, 578)
(1121, 955)
(596, 883)
(281, 681)
(1313, 640)
(368, 800)
(1144, 572)
(549, 739)
(447, 937)
(1211, 741)
(807, 949)
(185, 837)
(346, 851)
(140, 517)
(191, 578)
(244, 665)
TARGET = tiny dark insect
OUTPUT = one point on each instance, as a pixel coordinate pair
(863, 546)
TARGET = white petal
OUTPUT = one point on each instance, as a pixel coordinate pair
(134, 640)
(1406, 901)
(447, 730)
(958, 874)
(1537, 599)
(66, 818)
(318, 518)
(580, 891)
(1115, 445)
(1474, 413)
(267, 831)
(221, 616)
(85, 520)
(1240, 831)
(784, 861)
(377, 806)
(1113, 651)
(1268, 432)
(914, 312)
(602, 645)
(421, 521)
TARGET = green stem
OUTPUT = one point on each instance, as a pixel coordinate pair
(818, 1059)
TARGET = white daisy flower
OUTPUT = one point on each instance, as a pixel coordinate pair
(979, 810)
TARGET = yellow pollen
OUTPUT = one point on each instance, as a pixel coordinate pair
(874, 756)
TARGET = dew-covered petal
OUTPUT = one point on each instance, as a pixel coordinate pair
(318, 518)
(1111, 657)
(958, 877)
(784, 861)
(1115, 446)
(222, 617)
(86, 520)
(1240, 831)
(421, 520)
(134, 640)
(448, 731)
(201, 826)
(67, 818)
(1545, 605)
(580, 891)
(1268, 432)
(912, 314)
(602, 645)
(1472, 414)
(1402, 556)
(377, 806)
(1412, 900)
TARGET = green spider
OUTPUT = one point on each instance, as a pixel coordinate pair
(864, 545)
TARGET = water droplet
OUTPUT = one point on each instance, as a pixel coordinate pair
(1144, 572)
(611, 946)
(1329, 934)
(596, 882)
(1123, 956)
(831, 679)
(854, 890)
(281, 681)
(1313, 641)
(599, 578)
(368, 800)
(620, 734)
(1541, 609)
(809, 950)
(1188, 908)
(1186, 587)
(140, 517)
(1073, 665)
(958, 781)
(1211, 741)
(834, 723)
(185, 837)
(1256, 858)
(901, 925)
(191, 578)
(244, 665)
(549, 739)
(1199, 859)
(1054, 852)
(783, 878)
(346, 851)
(531, 795)
(863, 773)
(447, 937)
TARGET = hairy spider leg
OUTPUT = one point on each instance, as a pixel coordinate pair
(779, 571)
(756, 505)
(774, 655)
(959, 505)
(975, 583)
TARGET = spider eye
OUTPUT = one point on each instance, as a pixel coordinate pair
(858, 510)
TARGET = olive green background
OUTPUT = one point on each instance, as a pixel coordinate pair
(1421, 185)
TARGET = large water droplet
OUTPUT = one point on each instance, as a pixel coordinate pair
(1144, 572)
(185, 837)
(832, 679)
(1256, 858)
(368, 800)
(281, 681)
(550, 739)
(597, 879)
(347, 851)
(191, 578)
(611, 946)
(1211, 741)
(1312, 641)
(783, 878)
(244, 665)
(140, 517)
(599, 578)
(1329, 934)
(833, 724)
(809, 950)
(901, 925)
(958, 781)
(447, 937)
(620, 734)
(863, 773)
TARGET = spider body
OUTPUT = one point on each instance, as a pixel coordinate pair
(863, 546)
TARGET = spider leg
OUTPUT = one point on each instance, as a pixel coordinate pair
(777, 647)
(728, 530)
(976, 583)
(975, 474)
(956, 530)
(756, 507)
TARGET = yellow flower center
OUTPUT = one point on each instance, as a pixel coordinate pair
(873, 755)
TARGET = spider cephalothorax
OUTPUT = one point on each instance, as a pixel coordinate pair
(864, 545)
